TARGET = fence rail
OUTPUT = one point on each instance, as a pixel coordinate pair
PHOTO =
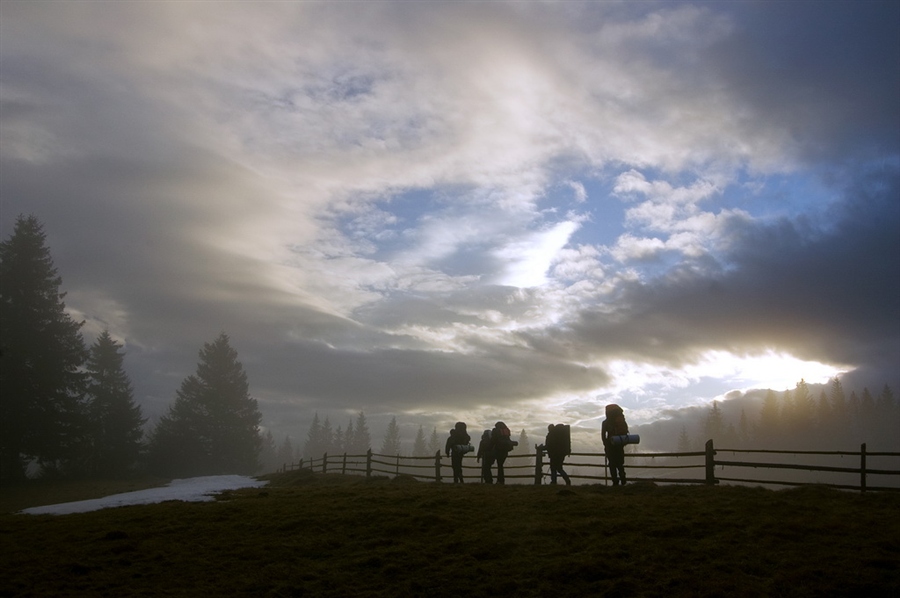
(658, 465)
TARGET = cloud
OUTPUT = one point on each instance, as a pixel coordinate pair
(400, 206)
(821, 294)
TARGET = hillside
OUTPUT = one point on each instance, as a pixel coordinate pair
(314, 535)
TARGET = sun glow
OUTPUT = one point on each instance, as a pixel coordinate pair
(772, 369)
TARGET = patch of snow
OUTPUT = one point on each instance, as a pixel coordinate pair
(189, 490)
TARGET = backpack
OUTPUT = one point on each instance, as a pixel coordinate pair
(501, 439)
(561, 439)
(616, 418)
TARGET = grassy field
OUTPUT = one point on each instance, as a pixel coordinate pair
(314, 535)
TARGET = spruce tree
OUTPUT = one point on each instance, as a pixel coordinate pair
(115, 421)
(714, 427)
(684, 441)
(419, 447)
(268, 453)
(362, 441)
(434, 442)
(286, 452)
(327, 438)
(391, 445)
(312, 449)
(524, 447)
(769, 418)
(349, 435)
(213, 426)
(42, 413)
(804, 407)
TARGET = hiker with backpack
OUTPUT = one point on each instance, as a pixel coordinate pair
(486, 457)
(558, 445)
(613, 426)
(457, 446)
(501, 443)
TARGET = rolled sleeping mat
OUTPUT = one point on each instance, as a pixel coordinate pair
(625, 439)
(464, 448)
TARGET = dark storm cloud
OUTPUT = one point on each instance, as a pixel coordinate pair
(828, 294)
(395, 380)
(827, 72)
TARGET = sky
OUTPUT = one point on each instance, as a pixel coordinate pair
(442, 211)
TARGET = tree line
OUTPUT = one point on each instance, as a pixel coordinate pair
(798, 418)
(69, 410)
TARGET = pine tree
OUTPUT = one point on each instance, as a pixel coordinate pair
(313, 447)
(885, 402)
(286, 452)
(391, 445)
(838, 399)
(42, 414)
(804, 407)
(788, 411)
(337, 445)
(349, 435)
(684, 441)
(823, 412)
(434, 442)
(743, 429)
(888, 419)
(115, 420)
(867, 409)
(419, 447)
(213, 426)
(268, 453)
(362, 441)
(769, 418)
(327, 438)
(525, 447)
(715, 424)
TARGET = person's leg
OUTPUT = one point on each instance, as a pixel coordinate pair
(618, 466)
(486, 464)
(565, 476)
(613, 469)
(501, 478)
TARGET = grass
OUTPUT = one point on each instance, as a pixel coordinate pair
(314, 535)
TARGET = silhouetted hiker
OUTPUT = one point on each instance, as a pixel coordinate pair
(558, 445)
(486, 456)
(502, 443)
(457, 446)
(614, 425)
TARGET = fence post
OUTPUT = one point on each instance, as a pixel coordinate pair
(369, 463)
(710, 463)
(862, 468)
(299, 465)
(325, 463)
(397, 465)
(344, 465)
(437, 466)
(538, 465)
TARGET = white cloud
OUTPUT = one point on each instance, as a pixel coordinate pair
(203, 166)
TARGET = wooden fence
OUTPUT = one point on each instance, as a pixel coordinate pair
(664, 468)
